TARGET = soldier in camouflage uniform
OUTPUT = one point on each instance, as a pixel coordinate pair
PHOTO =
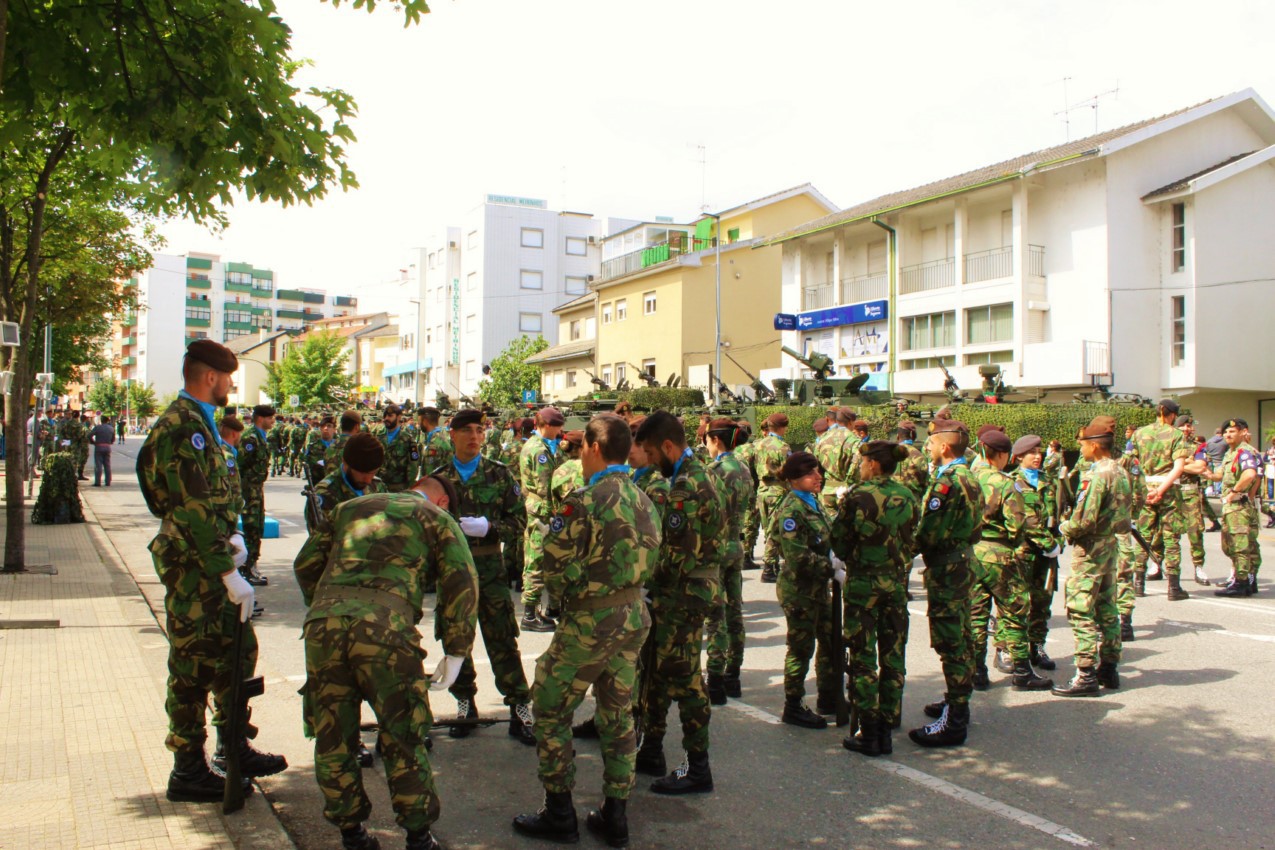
(278, 447)
(1191, 492)
(1041, 546)
(254, 469)
(363, 579)
(488, 500)
(847, 466)
(1103, 510)
(800, 526)
(536, 462)
(600, 549)
(684, 588)
(1241, 477)
(951, 521)
(1162, 452)
(999, 569)
(402, 454)
(872, 534)
(74, 439)
(725, 626)
(186, 483)
(508, 454)
(354, 477)
(318, 444)
(569, 476)
(58, 501)
(348, 425)
(296, 447)
(751, 529)
(768, 459)
(828, 451)
(435, 446)
(913, 471)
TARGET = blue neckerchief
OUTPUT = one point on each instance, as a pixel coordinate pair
(234, 452)
(907, 442)
(209, 413)
(960, 461)
(466, 469)
(431, 434)
(809, 499)
(349, 484)
(1032, 476)
(642, 472)
(621, 468)
(391, 435)
(552, 444)
(833, 426)
(326, 443)
(722, 455)
(262, 433)
(686, 452)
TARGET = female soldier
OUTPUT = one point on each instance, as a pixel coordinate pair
(801, 529)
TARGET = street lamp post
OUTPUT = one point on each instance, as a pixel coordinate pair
(717, 271)
(416, 354)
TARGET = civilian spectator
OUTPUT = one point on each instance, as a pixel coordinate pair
(101, 437)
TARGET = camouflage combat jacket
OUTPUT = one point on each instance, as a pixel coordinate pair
(655, 486)
(490, 492)
(254, 459)
(402, 455)
(694, 524)
(913, 473)
(1157, 447)
(1004, 516)
(736, 488)
(805, 539)
(536, 463)
(828, 451)
(1103, 505)
(1037, 536)
(768, 459)
(435, 448)
(875, 527)
(567, 478)
(952, 513)
(332, 491)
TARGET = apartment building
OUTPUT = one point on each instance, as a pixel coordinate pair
(568, 368)
(1133, 259)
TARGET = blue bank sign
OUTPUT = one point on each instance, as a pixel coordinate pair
(854, 314)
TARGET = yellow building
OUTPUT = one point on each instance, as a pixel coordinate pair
(656, 305)
(565, 367)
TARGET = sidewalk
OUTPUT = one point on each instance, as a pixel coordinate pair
(82, 682)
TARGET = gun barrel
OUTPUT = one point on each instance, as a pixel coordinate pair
(794, 354)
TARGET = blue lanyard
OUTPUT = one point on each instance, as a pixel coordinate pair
(391, 435)
(466, 469)
(960, 461)
(207, 410)
(354, 489)
(639, 474)
(1032, 476)
(809, 499)
(722, 455)
(261, 433)
(677, 466)
(621, 468)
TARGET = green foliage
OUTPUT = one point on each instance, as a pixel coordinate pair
(107, 396)
(142, 403)
(510, 373)
(314, 369)
(663, 398)
(273, 387)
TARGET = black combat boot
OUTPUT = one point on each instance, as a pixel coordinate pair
(533, 622)
(556, 820)
(650, 758)
(1235, 587)
(1040, 658)
(1083, 684)
(192, 782)
(1176, 593)
(1003, 662)
(465, 710)
(520, 722)
(1025, 678)
(826, 703)
(884, 740)
(422, 839)
(610, 823)
(716, 689)
(1126, 628)
(868, 740)
(253, 576)
(1107, 675)
(358, 838)
(948, 731)
(731, 682)
(252, 763)
(692, 776)
(981, 680)
(796, 713)
(1217, 527)
(934, 709)
(588, 730)
(1139, 583)
(1252, 584)
(769, 574)
(749, 563)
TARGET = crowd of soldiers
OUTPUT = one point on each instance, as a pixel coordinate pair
(628, 542)
(61, 430)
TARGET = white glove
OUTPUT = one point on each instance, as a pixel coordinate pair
(238, 549)
(646, 595)
(320, 463)
(841, 491)
(446, 673)
(838, 570)
(240, 593)
(1054, 552)
(66, 442)
(475, 526)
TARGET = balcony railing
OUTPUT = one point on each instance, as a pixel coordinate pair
(198, 283)
(653, 255)
(198, 302)
(998, 263)
(345, 301)
(238, 287)
(289, 295)
(816, 297)
(923, 277)
(290, 314)
(128, 361)
(866, 287)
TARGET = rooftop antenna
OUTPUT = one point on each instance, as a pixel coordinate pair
(1090, 102)
(703, 177)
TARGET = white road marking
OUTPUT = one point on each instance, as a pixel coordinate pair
(942, 786)
(283, 521)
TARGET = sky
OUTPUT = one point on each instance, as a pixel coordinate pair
(635, 110)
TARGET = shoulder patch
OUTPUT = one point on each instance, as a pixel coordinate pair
(198, 441)
(935, 504)
(542, 458)
(247, 447)
(230, 463)
(676, 520)
(557, 524)
(1018, 485)
(517, 490)
(1135, 469)
(790, 524)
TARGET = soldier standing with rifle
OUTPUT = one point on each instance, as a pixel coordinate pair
(254, 469)
(601, 548)
(184, 477)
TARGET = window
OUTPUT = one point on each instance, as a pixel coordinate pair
(533, 237)
(621, 372)
(438, 295)
(471, 283)
(606, 313)
(238, 277)
(648, 366)
(576, 285)
(432, 257)
(240, 316)
(732, 235)
(1177, 351)
(571, 378)
(576, 247)
(575, 330)
(927, 363)
(989, 357)
(532, 279)
(530, 322)
(606, 375)
(937, 330)
(1179, 237)
(472, 240)
(429, 336)
(989, 324)
(621, 309)
(471, 323)
(648, 304)
(409, 342)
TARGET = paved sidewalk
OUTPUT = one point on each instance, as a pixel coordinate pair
(82, 674)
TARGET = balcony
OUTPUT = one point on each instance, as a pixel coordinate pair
(198, 283)
(198, 302)
(654, 255)
(924, 277)
(345, 301)
(239, 326)
(312, 297)
(128, 361)
(289, 295)
(130, 321)
(865, 287)
(817, 297)
(238, 287)
(198, 323)
(291, 314)
(131, 339)
(998, 263)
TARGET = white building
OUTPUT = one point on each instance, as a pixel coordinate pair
(1137, 259)
(197, 296)
(496, 276)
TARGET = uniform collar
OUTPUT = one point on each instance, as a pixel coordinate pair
(612, 469)
(206, 410)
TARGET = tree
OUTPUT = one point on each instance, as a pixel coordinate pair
(510, 374)
(274, 385)
(107, 396)
(141, 400)
(316, 367)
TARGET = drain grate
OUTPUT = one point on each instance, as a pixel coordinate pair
(30, 624)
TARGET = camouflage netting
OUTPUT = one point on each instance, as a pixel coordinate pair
(58, 502)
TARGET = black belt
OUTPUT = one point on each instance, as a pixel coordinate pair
(951, 556)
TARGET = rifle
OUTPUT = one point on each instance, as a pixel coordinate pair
(241, 691)
(647, 378)
(647, 673)
(312, 502)
(839, 657)
(762, 391)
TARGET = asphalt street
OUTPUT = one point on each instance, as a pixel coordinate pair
(1182, 756)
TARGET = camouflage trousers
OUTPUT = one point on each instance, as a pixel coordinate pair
(876, 629)
(500, 636)
(1091, 601)
(277, 461)
(675, 677)
(533, 576)
(998, 576)
(1161, 527)
(809, 634)
(201, 625)
(598, 648)
(81, 457)
(947, 590)
(348, 661)
(254, 520)
(724, 626)
(1042, 579)
(1193, 523)
(1126, 597)
(752, 528)
(768, 499)
(1240, 526)
(294, 462)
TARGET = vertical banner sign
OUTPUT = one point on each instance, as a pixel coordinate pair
(455, 360)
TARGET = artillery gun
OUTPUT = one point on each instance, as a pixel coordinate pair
(823, 389)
